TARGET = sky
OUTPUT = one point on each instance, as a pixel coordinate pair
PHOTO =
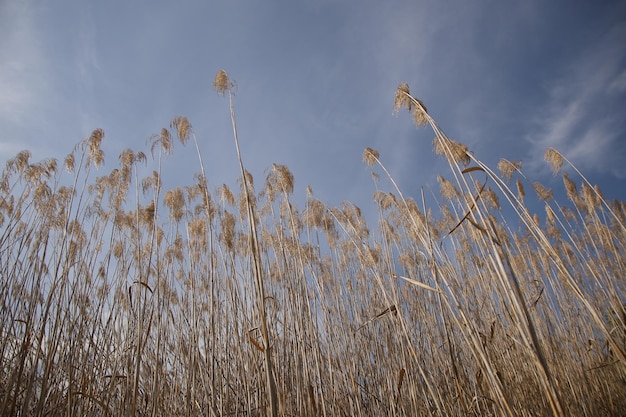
(315, 83)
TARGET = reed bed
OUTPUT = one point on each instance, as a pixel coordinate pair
(122, 298)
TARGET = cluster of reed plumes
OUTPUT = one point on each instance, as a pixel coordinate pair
(121, 298)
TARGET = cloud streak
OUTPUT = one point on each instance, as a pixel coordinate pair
(20, 59)
(579, 117)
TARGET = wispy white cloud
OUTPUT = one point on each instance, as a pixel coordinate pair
(582, 117)
(48, 70)
(22, 80)
(20, 59)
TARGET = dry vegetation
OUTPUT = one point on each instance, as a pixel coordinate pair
(121, 298)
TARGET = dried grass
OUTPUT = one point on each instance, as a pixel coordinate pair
(451, 307)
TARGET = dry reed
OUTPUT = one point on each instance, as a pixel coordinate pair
(120, 297)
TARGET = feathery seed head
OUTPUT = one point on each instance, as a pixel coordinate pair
(4, 182)
(147, 214)
(249, 180)
(20, 162)
(508, 168)
(555, 159)
(448, 190)
(159, 236)
(69, 163)
(284, 178)
(118, 249)
(95, 139)
(591, 196)
(371, 256)
(175, 201)
(542, 192)
(382, 199)
(370, 156)
(141, 157)
(492, 198)
(314, 213)
(98, 158)
(96, 155)
(453, 151)
(570, 187)
(198, 228)
(183, 128)
(33, 173)
(222, 83)
(127, 158)
(164, 139)
(419, 113)
(226, 195)
(228, 229)
(402, 98)
(520, 190)
(50, 167)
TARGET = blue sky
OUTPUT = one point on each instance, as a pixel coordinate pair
(315, 84)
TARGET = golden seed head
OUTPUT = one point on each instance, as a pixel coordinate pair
(198, 227)
(419, 113)
(127, 158)
(591, 197)
(555, 159)
(508, 168)
(570, 187)
(228, 229)
(249, 180)
(520, 190)
(492, 198)
(370, 256)
(141, 157)
(383, 200)
(118, 249)
(164, 139)
(33, 173)
(183, 128)
(50, 167)
(453, 151)
(536, 220)
(448, 190)
(69, 163)
(96, 155)
(20, 162)
(222, 83)
(284, 178)
(4, 183)
(175, 201)
(370, 156)
(314, 213)
(227, 195)
(147, 214)
(542, 192)
(95, 139)
(402, 98)
(159, 236)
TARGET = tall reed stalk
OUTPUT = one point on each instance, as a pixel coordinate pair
(222, 84)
